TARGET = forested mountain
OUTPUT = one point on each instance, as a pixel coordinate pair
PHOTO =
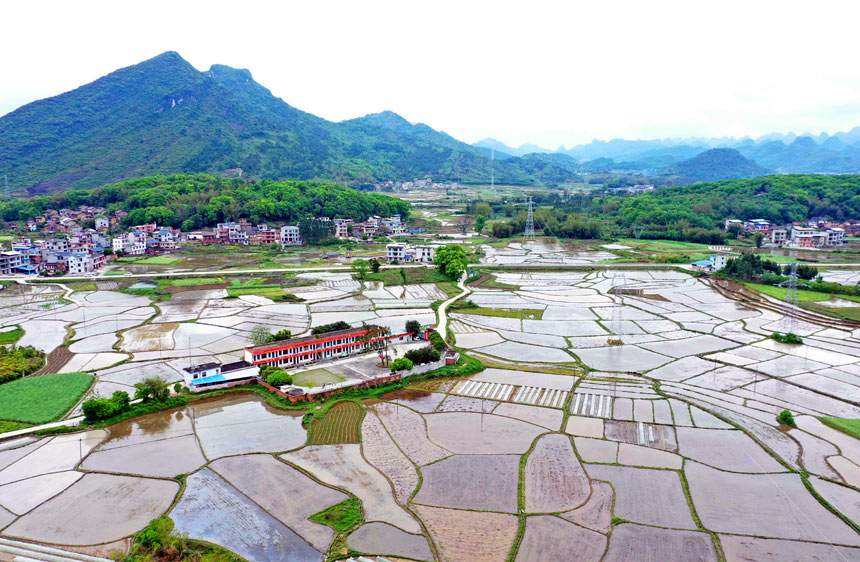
(164, 116)
(200, 200)
(717, 164)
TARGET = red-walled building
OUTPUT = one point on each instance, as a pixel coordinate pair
(310, 349)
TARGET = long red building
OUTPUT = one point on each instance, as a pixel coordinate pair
(309, 349)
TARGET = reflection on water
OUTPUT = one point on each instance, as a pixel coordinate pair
(231, 417)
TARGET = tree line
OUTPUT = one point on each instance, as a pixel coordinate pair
(190, 201)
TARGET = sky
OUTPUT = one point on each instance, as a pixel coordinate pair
(550, 73)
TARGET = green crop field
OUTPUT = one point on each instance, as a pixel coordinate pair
(115, 272)
(341, 424)
(42, 399)
(157, 260)
(663, 245)
(525, 313)
(802, 295)
(316, 377)
(190, 282)
(851, 426)
(268, 291)
(11, 336)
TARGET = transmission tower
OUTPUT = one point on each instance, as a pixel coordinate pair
(529, 234)
(492, 169)
(637, 231)
(618, 284)
(788, 324)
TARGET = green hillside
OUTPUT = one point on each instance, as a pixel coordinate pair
(162, 116)
(779, 199)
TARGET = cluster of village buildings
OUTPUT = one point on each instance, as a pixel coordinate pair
(75, 249)
(816, 233)
(243, 233)
(426, 183)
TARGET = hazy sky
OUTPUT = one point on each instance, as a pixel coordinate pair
(528, 71)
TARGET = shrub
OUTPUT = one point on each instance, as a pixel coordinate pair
(278, 377)
(423, 355)
(437, 342)
(786, 338)
(326, 328)
(785, 417)
(401, 364)
(97, 409)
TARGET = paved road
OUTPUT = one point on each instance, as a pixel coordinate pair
(335, 268)
(442, 326)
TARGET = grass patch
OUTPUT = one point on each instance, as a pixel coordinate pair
(663, 245)
(316, 377)
(269, 291)
(114, 272)
(42, 399)
(11, 336)
(522, 313)
(157, 542)
(779, 293)
(341, 424)
(12, 426)
(341, 517)
(158, 260)
(848, 313)
(851, 426)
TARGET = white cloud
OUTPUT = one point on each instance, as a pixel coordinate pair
(546, 72)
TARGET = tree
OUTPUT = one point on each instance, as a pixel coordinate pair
(480, 222)
(282, 335)
(375, 338)
(413, 326)
(758, 239)
(259, 335)
(152, 389)
(375, 265)
(422, 355)
(451, 260)
(315, 231)
(360, 267)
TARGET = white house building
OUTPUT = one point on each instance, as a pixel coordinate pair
(290, 236)
(396, 252)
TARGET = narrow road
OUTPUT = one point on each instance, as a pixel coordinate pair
(442, 326)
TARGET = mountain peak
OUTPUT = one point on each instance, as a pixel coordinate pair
(718, 164)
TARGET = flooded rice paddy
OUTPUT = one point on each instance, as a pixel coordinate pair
(662, 445)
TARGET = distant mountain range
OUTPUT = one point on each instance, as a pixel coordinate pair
(781, 153)
(163, 116)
